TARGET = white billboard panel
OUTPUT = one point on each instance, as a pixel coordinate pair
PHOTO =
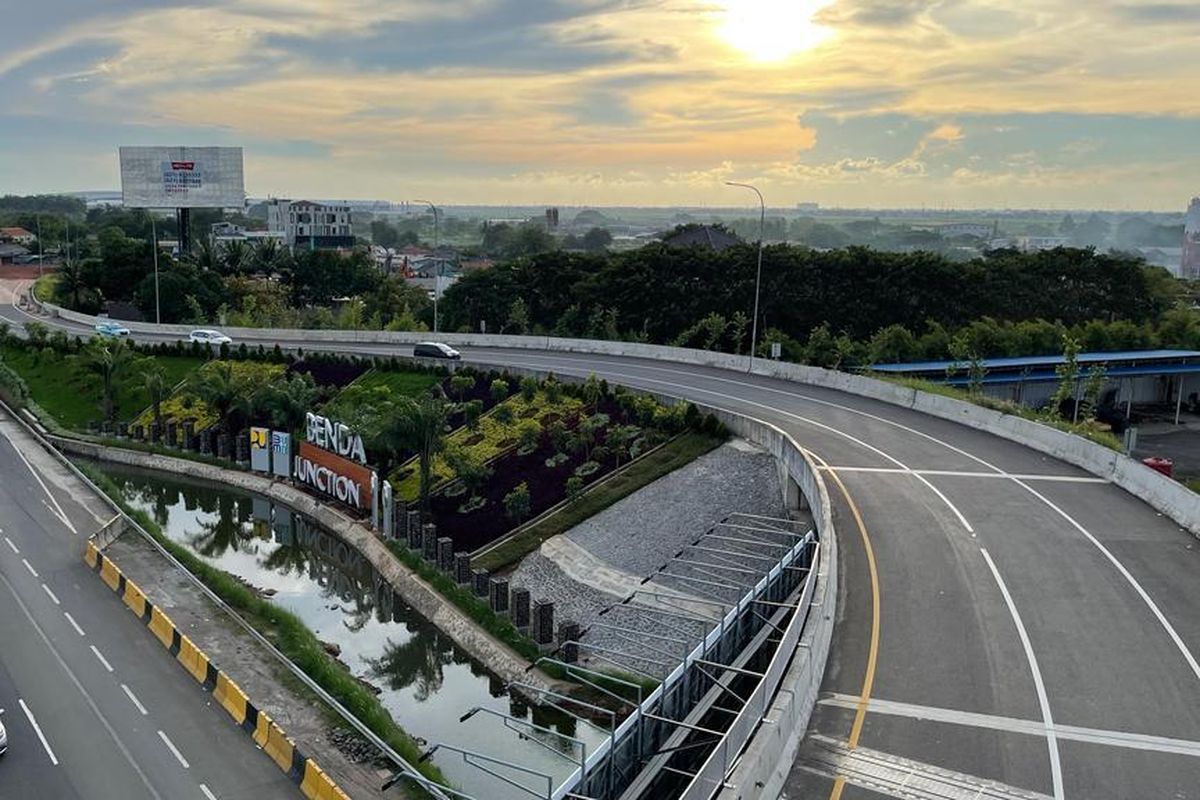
(182, 177)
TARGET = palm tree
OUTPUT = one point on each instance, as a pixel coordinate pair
(70, 282)
(154, 382)
(287, 399)
(265, 256)
(413, 425)
(206, 256)
(219, 388)
(108, 360)
(235, 256)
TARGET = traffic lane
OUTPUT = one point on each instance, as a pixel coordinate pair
(26, 770)
(90, 758)
(1113, 773)
(128, 663)
(946, 638)
(1107, 661)
(39, 480)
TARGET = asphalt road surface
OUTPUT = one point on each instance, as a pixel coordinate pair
(1037, 628)
(95, 708)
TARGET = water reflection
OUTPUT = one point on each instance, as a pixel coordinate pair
(424, 680)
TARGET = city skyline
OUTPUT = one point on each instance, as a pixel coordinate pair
(851, 103)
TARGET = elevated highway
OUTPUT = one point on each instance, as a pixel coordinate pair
(1004, 619)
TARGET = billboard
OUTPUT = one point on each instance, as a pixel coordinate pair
(182, 177)
(335, 476)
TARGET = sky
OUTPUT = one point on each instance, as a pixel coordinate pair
(864, 103)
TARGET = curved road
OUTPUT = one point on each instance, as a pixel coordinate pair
(1037, 629)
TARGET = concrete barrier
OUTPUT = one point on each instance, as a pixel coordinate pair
(311, 780)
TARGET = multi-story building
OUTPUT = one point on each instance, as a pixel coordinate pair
(1189, 267)
(304, 223)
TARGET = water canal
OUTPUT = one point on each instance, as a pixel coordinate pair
(426, 682)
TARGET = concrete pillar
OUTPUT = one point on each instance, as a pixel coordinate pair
(388, 512)
(206, 441)
(479, 580)
(462, 568)
(137, 432)
(498, 595)
(121, 430)
(223, 444)
(243, 447)
(169, 437)
(543, 622)
(568, 634)
(154, 432)
(376, 504)
(189, 435)
(413, 529)
(519, 605)
(429, 539)
(445, 554)
(106, 428)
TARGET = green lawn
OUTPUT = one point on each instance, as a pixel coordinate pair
(1194, 485)
(671, 456)
(410, 384)
(69, 393)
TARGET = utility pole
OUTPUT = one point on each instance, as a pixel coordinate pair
(40, 255)
(437, 276)
(154, 248)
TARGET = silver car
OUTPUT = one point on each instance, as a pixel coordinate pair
(206, 336)
(3, 738)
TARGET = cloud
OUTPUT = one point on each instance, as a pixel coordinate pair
(1159, 13)
(944, 135)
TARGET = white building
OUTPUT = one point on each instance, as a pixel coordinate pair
(1032, 244)
(304, 223)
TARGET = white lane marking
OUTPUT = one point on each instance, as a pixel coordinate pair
(1029, 727)
(1137, 587)
(13, 546)
(207, 793)
(87, 698)
(29, 567)
(103, 660)
(954, 473)
(174, 750)
(74, 624)
(62, 516)
(133, 699)
(1051, 738)
(38, 730)
(52, 595)
(1133, 582)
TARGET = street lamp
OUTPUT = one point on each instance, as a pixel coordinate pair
(154, 248)
(762, 221)
(437, 280)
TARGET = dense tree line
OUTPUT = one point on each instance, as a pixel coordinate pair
(664, 294)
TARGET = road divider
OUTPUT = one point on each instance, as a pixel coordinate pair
(313, 782)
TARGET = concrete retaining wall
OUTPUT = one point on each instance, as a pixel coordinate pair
(304, 772)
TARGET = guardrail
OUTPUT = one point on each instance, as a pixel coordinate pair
(404, 766)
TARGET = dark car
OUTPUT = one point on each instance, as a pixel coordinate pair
(435, 350)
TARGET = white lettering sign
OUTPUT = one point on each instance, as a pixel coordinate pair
(328, 481)
(335, 436)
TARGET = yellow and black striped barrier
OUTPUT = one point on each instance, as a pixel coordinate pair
(313, 782)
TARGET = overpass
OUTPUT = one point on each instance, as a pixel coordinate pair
(1007, 623)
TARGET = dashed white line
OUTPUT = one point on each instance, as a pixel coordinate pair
(29, 567)
(57, 510)
(1056, 778)
(74, 624)
(207, 793)
(174, 750)
(38, 730)
(13, 546)
(133, 699)
(103, 660)
(47, 590)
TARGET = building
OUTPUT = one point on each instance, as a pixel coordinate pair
(1032, 244)
(978, 230)
(1169, 258)
(224, 232)
(1189, 265)
(304, 223)
(17, 236)
(13, 254)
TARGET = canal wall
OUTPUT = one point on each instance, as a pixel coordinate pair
(501, 659)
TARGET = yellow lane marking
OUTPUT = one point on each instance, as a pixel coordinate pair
(864, 696)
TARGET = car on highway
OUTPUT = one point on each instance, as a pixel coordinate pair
(3, 737)
(435, 350)
(107, 327)
(208, 336)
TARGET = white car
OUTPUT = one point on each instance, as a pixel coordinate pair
(205, 336)
(109, 328)
(3, 737)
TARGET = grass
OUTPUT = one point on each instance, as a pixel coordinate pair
(1087, 430)
(43, 287)
(71, 394)
(410, 384)
(671, 456)
(1194, 485)
(183, 404)
(286, 632)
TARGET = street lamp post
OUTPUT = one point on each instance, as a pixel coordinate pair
(762, 221)
(437, 280)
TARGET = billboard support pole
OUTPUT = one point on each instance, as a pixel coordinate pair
(154, 249)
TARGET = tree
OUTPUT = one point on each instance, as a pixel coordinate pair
(468, 468)
(410, 424)
(37, 333)
(288, 398)
(529, 387)
(266, 257)
(218, 386)
(517, 503)
(460, 385)
(1068, 374)
(499, 390)
(518, 317)
(154, 383)
(596, 240)
(108, 360)
(574, 488)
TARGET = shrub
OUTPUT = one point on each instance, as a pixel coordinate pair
(529, 388)
(499, 390)
(503, 414)
(553, 390)
(517, 502)
(460, 385)
(472, 410)
(587, 468)
(574, 488)
(528, 433)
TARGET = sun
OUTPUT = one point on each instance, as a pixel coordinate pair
(771, 30)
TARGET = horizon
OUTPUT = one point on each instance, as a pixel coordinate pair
(853, 104)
